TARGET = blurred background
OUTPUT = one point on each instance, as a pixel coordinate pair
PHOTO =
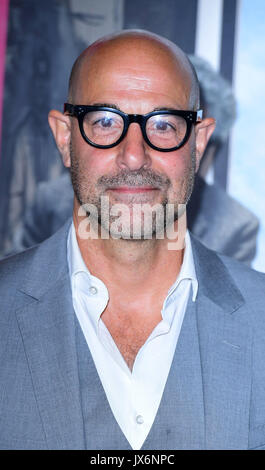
(39, 42)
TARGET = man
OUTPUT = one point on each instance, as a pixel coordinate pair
(113, 342)
(217, 219)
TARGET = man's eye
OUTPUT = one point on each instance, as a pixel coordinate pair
(105, 122)
(163, 126)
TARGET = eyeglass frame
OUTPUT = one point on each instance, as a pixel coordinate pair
(79, 111)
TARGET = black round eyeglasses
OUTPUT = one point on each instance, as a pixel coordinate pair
(105, 127)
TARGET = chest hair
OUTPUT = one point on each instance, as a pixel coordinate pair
(130, 335)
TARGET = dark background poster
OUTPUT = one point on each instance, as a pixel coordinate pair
(43, 40)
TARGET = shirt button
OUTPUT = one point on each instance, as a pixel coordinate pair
(93, 290)
(139, 419)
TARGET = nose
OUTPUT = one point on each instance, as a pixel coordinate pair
(133, 151)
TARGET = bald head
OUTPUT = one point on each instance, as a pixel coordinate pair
(133, 45)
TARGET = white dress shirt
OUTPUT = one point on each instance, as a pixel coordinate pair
(134, 396)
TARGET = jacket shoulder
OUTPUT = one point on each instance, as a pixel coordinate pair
(36, 269)
(242, 273)
(222, 272)
(14, 269)
(251, 284)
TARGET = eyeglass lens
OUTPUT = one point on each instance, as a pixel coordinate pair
(163, 130)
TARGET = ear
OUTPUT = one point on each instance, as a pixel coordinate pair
(61, 129)
(203, 132)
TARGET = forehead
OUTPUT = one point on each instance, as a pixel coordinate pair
(133, 70)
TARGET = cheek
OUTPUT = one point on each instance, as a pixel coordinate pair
(91, 161)
(175, 164)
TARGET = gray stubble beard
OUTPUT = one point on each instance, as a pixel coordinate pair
(85, 194)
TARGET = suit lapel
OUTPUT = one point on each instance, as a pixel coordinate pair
(179, 422)
(225, 339)
(47, 327)
(46, 322)
(226, 342)
(205, 404)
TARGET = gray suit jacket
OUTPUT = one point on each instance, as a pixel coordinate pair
(219, 358)
(218, 220)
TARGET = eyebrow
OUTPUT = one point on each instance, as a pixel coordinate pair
(114, 106)
(165, 108)
(107, 105)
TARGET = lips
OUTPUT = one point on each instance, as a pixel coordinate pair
(133, 189)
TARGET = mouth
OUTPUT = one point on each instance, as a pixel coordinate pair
(133, 189)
